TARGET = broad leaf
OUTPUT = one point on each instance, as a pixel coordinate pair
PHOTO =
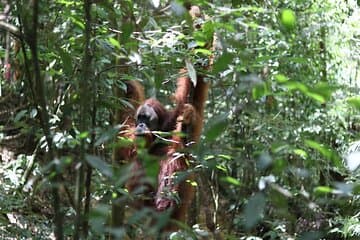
(99, 164)
(216, 127)
(191, 71)
(254, 210)
(223, 62)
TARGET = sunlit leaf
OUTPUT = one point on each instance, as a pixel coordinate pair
(192, 183)
(114, 42)
(259, 90)
(325, 151)
(324, 89)
(231, 180)
(288, 19)
(208, 30)
(83, 135)
(279, 147)
(204, 51)
(315, 96)
(281, 78)
(221, 168)
(225, 157)
(301, 153)
(294, 85)
(323, 190)
(77, 22)
(355, 102)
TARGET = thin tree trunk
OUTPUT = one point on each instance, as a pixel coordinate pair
(118, 205)
(323, 53)
(84, 92)
(88, 167)
(38, 90)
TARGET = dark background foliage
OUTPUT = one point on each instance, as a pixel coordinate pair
(279, 151)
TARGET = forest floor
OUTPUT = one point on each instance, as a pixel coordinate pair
(20, 218)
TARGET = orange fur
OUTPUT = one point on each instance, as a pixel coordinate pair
(191, 99)
(183, 87)
(187, 116)
(176, 163)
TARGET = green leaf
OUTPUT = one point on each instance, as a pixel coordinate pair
(281, 78)
(315, 96)
(324, 89)
(320, 93)
(225, 157)
(127, 29)
(83, 135)
(323, 190)
(216, 127)
(106, 136)
(354, 102)
(294, 85)
(77, 22)
(223, 62)
(254, 210)
(20, 115)
(221, 168)
(114, 42)
(204, 51)
(150, 163)
(208, 30)
(99, 164)
(231, 180)
(325, 151)
(259, 90)
(66, 62)
(300, 153)
(288, 19)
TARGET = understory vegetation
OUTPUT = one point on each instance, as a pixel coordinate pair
(280, 150)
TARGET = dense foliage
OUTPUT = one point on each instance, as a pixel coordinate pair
(274, 161)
